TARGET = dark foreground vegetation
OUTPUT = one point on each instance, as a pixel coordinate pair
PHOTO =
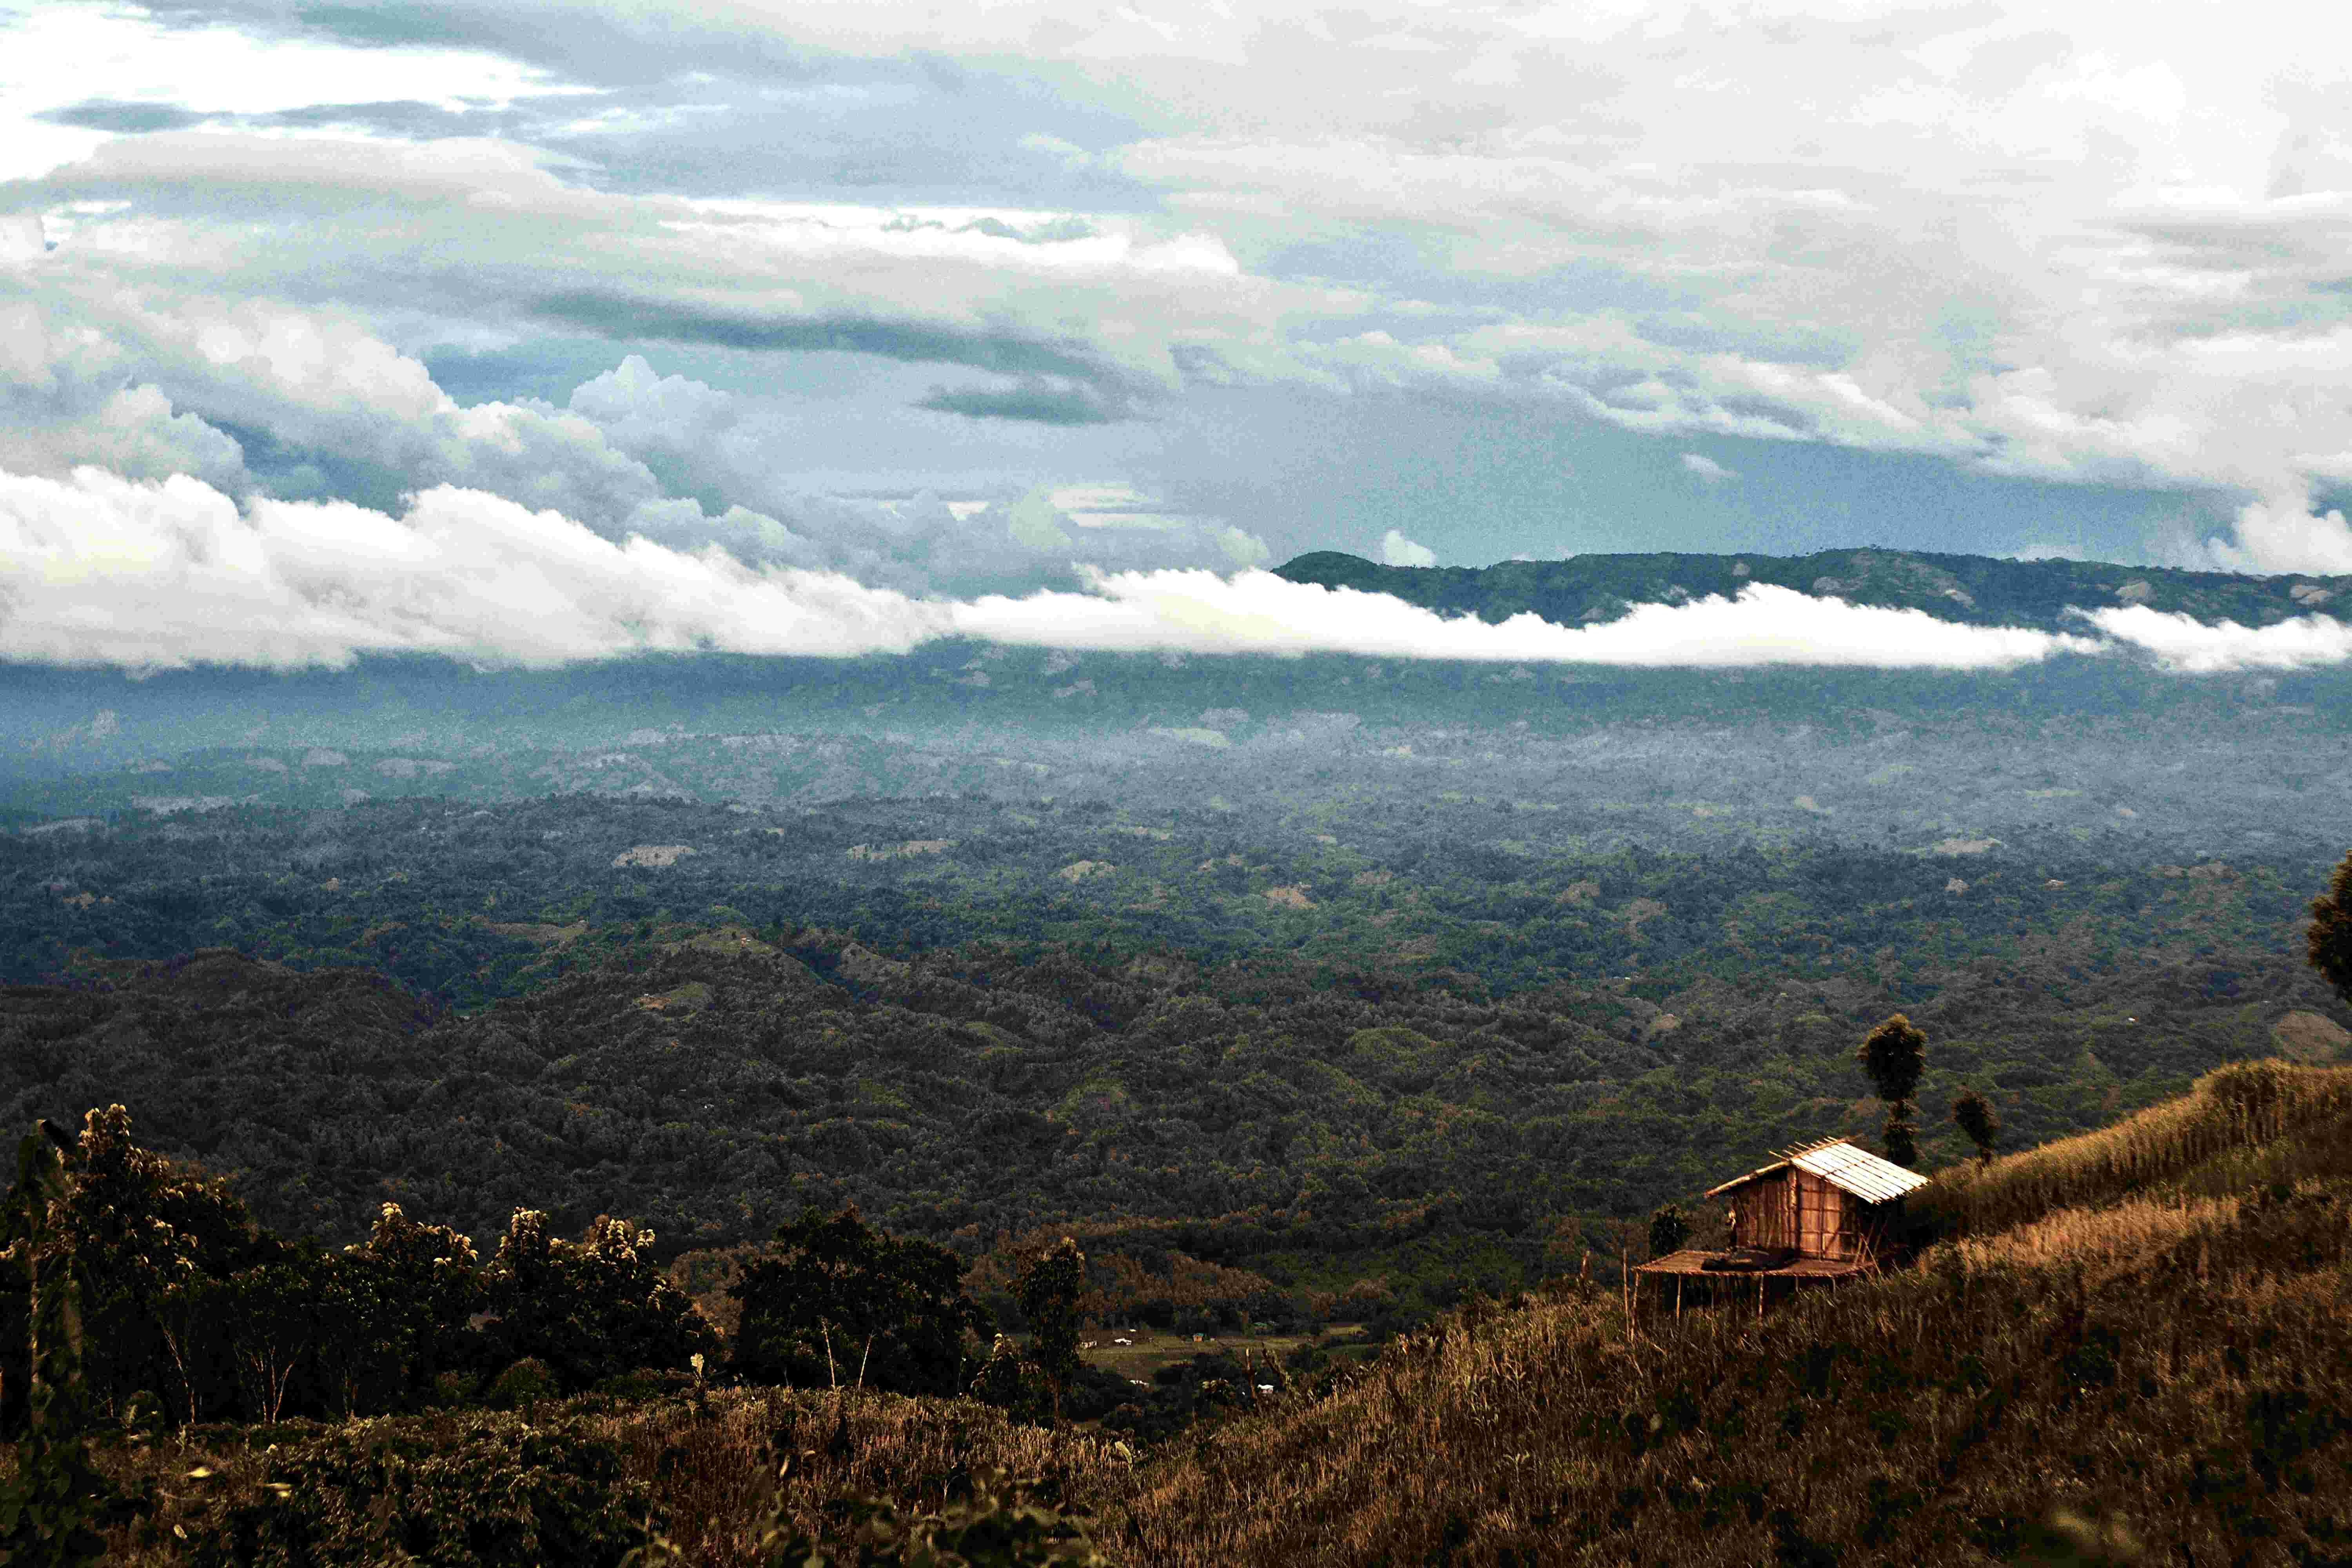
(2126, 1347)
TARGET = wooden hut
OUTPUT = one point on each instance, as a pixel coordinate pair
(1820, 1212)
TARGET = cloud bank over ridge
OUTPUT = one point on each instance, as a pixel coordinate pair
(98, 570)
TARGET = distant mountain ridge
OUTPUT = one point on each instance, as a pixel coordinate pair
(1976, 590)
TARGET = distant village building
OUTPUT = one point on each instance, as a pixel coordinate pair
(1820, 1212)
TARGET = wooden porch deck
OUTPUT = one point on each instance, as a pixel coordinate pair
(1692, 1263)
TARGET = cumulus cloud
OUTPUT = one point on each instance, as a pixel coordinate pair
(1706, 468)
(2283, 532)
(2031, 241)
(98, 569)
(1396, 550)
(165, 383)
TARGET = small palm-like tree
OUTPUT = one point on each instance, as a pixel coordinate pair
(2330, 940)
(1895, 1054)
(1974, 1114)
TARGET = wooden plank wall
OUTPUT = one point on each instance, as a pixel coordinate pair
(1827, 1224)
(1797, 1210)
(1767, 1214)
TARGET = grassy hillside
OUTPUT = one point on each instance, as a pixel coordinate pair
(2142, 1357)
(2129, 1347)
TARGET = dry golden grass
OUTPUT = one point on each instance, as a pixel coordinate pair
(2102, 1243)
(711, 1465)
(2169, 1363)
(1951, 1416)
(2233, 1110)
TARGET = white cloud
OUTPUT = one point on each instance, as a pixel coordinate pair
(2049, 241)
(2186, 643)
(98, 570)
(23, 237)
(1707, 468)
(1258, 612)
(130, 56)
(1396, 550)
(2283, 533)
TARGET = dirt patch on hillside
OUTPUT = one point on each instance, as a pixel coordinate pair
(905, 851)
(2310, 1037)
(543, 934)
(655, 854)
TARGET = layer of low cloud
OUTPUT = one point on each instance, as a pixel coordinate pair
(100, 570)
(2193, 646)
(1258, 612)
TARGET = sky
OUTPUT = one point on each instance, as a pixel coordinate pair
(538, 331)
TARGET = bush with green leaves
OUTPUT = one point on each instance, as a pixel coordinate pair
(1974, 1115)
(835, 1302)
(589, 1308)
(1050, 1288)
(2328, 940)
(462, 1491)
(521, 1385)
(1669, 1228)
(1003, 1525)
(52, 1496)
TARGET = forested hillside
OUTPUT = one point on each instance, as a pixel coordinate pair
(1974, 590)
(708, 1081)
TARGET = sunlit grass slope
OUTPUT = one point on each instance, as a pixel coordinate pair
(2138, 1350)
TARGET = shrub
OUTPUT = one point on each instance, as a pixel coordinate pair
(833, 1302)
(589, 1308)
(1003, 1523)
(1669, 1228)
(471, 1491)
(526, 1383)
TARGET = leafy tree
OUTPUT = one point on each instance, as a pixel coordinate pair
(404, 1301)
(1894, 1055)
(589, 1308)
(152, 1243)
(1048, 1290)
(833, 1300)
(2329, 943)
(272, 1317)
(53, 1495)
(1669, 1228)
(1005, 1380)
(1974, 1114)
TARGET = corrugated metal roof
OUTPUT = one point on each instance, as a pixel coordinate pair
(1839, 1163)
(1858, 1171)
